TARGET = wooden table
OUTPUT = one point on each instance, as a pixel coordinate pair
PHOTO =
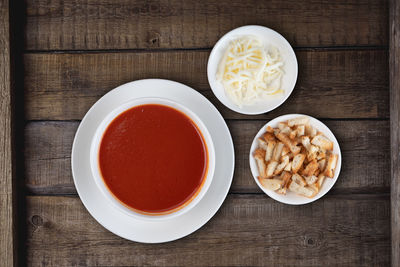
(62, 56)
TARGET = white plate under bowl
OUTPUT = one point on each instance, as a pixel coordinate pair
(291, 197)
(268, 37)
(127, 226)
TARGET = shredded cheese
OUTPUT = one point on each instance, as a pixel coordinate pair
(249, 72)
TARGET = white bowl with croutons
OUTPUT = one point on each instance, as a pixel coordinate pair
(295, 159)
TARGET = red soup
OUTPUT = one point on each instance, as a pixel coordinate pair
(153, 158)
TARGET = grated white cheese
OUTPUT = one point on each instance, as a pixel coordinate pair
(249, 72)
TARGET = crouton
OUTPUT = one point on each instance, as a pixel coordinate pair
(297, 162)
(298, 121)
(321, 179)
(310, 168)
(270, 184)
(269, 137)
(311, 179)
(271, 168)
(270, 150)
(285, 150)
(310, 131)
(278, 151)
(312, 153)
(262, 144)
(321, 164)
(321, 154)
(300, 130)
(331, 165)
(282, 165)
(322, 142)
(288, 167)
(302, 190)
(285, 177)
(293, 134)
(299, 179)
(259, 155)
(289, 143)
(305, 141)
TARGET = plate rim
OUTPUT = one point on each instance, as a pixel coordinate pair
(196, 94)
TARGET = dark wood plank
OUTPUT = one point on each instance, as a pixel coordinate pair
(364, 144)
(394, 65)
(249, 230)
(335, 83)
(8, 255)
(124, 24)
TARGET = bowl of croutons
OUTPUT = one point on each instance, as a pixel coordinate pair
(295, 159)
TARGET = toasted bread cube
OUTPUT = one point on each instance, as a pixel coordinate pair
(270, 150)
(300, 130)
(289, 143)
(310, 168)
(282, 165)
(301, 169)
(331, 165)
(322, 142)
(305, 141)
(299, 179)
(259, 155)
(321, 164)
(284, 128)
(282, 125)
(271, 168)
(312, 153)
(269, 137)
(288, 167)
(311, 179)
(321, 179)
(315, 187)
(285, 150)
(298, 121)
(262, 144)
(293, 134)
(276, 132)
(321, 154)
(285, 177)
(270, 129)
(278, 151)
(305, 162)
(270, 184)
(310, 131)
(302, 190)
(297, 162)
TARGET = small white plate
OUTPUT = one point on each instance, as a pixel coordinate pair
(130, 227)
(291, 197)
(268, 37)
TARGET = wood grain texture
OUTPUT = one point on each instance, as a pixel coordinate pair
(364, 144)
(7, 194)
(335, 83)
(125, 24)
(248, 230)
(394, 66)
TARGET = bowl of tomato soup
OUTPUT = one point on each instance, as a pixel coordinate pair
(153, 158)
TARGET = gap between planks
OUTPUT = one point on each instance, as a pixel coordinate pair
(145, 50)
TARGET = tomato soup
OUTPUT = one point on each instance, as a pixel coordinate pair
(153, 159)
